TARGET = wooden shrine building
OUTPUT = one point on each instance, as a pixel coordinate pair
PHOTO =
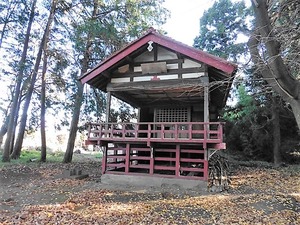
(178, 91)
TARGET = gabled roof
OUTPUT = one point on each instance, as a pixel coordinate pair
(152, 35)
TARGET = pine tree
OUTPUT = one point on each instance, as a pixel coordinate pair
(220, 29)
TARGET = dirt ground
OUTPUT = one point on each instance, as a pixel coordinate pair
(39, 194)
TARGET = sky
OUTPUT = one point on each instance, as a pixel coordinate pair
(184, 23)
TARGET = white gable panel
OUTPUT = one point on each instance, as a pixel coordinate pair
(145, 57)
(164, 54)
(190, 64)
(172, 66)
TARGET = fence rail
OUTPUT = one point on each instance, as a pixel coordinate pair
(186, 132)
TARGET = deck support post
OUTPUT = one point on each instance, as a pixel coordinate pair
(206, 104)
(108, 101)
(177, 162)
(127, 159)
(104, 158)
(206, 119)
(151, 169)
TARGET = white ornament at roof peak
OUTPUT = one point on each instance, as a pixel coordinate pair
(150, 47)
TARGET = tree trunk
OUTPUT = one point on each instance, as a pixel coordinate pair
(74, 124)
(295, 104)
(19, 142)
(3, 129)
(8, 145)
(79, 97)
(273, 68)
(43, 109)
(276, 133)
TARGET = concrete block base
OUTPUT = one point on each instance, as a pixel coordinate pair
(149, 181)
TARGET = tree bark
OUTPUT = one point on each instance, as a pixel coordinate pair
(74, 124)
(272, 68)
(79, 96)
(8, 145)
(43, 108)
(19, 142)
(276, 133)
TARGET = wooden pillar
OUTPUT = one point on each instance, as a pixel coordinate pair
(177, 163)
(127, 158)
(151, 169)
(108, 102)
(139, 114)
(104, 159)
(206, 120)
(206, 103)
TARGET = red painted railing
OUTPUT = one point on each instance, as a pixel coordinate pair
(189, 132)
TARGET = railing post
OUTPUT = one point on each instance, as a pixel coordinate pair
(149, 134)
(123, 131)
(100, 130)
(136, 128)
(176, 131)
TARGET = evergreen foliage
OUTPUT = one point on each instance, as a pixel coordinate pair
(220, 28)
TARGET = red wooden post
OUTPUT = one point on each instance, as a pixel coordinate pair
(104, 159)
(127, 159)
(177, 162)
(220, 132)
(151, 169)
(205, 170)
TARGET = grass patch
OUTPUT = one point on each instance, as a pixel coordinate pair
(32, 156)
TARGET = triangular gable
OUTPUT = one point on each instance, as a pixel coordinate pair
(196, 54)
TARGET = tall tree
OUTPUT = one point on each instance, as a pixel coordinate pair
(221, 26)
(109, 26)
(19, 141)
(43, 106)
(267, 54)
(8, 146)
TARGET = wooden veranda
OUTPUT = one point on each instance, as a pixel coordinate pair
(135, 148)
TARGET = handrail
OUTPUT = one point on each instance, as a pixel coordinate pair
(157, 131)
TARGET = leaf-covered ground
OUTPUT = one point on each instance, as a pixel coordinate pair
(35, 194)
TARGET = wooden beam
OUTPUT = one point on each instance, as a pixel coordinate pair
(153, 85)
(169, 72)
(168, 61)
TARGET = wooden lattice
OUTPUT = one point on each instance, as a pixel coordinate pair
(172, 115)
